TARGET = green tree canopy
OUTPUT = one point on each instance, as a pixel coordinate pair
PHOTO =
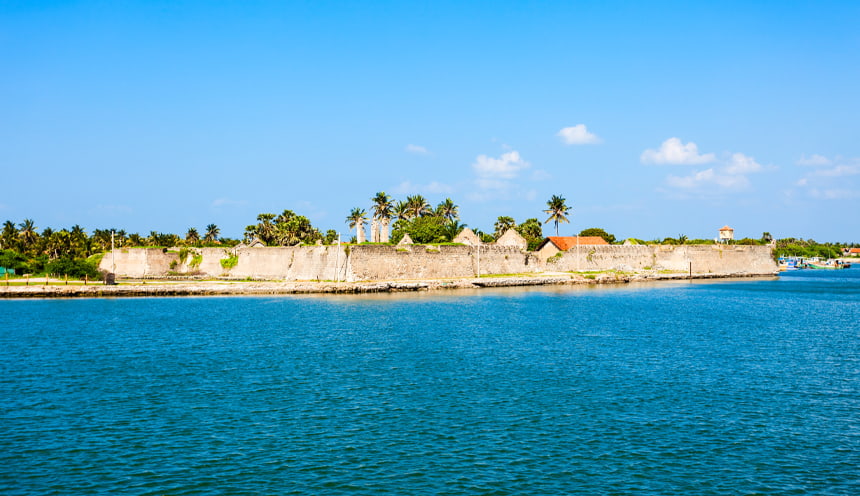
(596, 231)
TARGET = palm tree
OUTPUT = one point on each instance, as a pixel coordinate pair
(557, 211)
(382, 211)
(418, 206)
(285, 217)
(448, 210)
(27, 234)
(356, 219)
(9, 235)
(502, 225)
(192, 237)
(119, 236)
(250, 233)
(59, 244)
(134, 239)
(212, 233)
(452, 229)
(78, 241)
(265, 228)
(400, 211)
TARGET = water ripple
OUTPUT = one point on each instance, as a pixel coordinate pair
(688, 388)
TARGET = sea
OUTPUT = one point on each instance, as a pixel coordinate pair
(688, 387)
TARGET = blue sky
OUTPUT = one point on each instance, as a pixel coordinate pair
(653, 119)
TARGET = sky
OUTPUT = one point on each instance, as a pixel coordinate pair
(652, 119)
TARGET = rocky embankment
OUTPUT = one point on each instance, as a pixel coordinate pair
(216, 288)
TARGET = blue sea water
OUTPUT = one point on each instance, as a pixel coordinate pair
(732, 387)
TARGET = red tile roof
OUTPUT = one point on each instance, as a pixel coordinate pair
(726, 228)
(565, 243)
(854, 250)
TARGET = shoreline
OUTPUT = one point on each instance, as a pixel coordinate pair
(162, 288)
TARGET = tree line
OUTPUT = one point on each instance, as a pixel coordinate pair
(73, 252)
(27, 250)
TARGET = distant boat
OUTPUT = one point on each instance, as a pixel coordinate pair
(791, 263)
(830, 264)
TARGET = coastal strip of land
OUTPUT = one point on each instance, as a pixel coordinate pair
(161, 287)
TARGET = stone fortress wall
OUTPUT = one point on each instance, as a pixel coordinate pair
(382, 262)
(701, 259)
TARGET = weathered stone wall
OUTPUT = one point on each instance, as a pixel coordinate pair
(294, 263)
(378, 262)
(713, 259)
(375, 262)
(139, 262)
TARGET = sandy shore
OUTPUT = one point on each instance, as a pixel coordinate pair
(203, 288)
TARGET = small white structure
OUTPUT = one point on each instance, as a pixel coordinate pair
(512, 238)
(406, 240)
(726, 234)
(468, 237)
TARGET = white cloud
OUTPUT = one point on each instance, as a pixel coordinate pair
(814, 160)
(726, 176)
(833, 194)
(742, 164)
(672, 151)
(495, 173)
(417, 149)
(578, 135)
(433, 188)
(831, 182)
(227, 202)
(708, 178)
(838, 171)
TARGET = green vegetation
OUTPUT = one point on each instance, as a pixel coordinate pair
(424, 224)
(230, 261)
(596, 231)
(75, 268)
(794, 247)
(423, 230)
(557, 210)
(286, 229)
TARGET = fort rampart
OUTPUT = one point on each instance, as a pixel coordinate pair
(383, 262)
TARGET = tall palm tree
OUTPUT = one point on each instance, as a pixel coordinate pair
(382, 212)
(120, 237)
(100, 239)
(356, 219)
(285, 216)
(502, 225)
(557, 211)
(250, 233)
(192, 237)
(27, 234)
(265, 228)
(418, 206)
(400, 211)
(134, 239)
(212, 233)
(78, 241)
(449, 210)
(59, 244)
(9, 236)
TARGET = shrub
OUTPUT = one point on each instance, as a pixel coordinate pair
(76, 268)
(229, 262)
